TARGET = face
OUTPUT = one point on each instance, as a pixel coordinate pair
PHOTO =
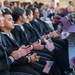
(8, 23)
(1, 20)
(58, 4)
(19, 5)
(23, 17)
(72, 3)
(36, 14)
(52, 4)
(49, 5)
(30, 16)
(12, 8)
(7, 4)
(0, 4)
(44, 6)
(15, 5)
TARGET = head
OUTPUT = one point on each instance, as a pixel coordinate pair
(71, 3)
(0, 4)
(15, 5)
(19, 15)
(58, 4)
(41, 6)
(48, 5)
(29, 14)
(35, 3)
(26, 5)
(1, 19)
(52, 4)
(18, 4)
(12, 6)
(35, 13)
(6, 3)
(22, 5)
(8, 22)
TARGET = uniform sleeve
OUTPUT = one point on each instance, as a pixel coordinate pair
(21, 61)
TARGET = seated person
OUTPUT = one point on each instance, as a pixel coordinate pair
(14, 51)
(5, 59)
(21, 32)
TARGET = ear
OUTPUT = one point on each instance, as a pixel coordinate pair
(20, 17)
(28, 16)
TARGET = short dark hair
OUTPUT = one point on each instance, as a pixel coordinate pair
(28, 12)
(57, 3)
(16, 13)
(30, 6)
(6, 11)
(12, 4)
(33, 9)
(70, 2)
(5, 1)
(40, 5)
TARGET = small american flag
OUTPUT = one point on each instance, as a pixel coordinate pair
(64, 35)
(49, 45)
(48, 66)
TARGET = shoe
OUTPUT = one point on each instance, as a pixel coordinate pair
(66, 73)
(70, 69)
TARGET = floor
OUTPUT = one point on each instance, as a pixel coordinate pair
(71, 40)
(71, 52)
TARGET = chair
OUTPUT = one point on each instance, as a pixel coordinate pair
(72, 62)
(64, 11)
(64, 21)
(69, 17)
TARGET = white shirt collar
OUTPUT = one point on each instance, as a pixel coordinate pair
(10, 35)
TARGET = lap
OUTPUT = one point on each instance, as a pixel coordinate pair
(19, 73)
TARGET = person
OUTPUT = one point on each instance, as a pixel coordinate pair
(29, 34)
(0, 4)
(12, 6)
(44, 29)
(11, 46)
(21, 65)
(71, 7)
(6, 3)
(39, 30)
(57, 9)
(24, 40)
(5, 60)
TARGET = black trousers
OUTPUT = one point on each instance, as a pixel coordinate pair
(15, 73)
(19, 73)
(31, 69)
(45, 57)
(24, 69)
(63, 46)
(58, 56)
(63, 52)
(39, 67)
(54, 69)
(63, 43)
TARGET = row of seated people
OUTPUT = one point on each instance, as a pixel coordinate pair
(20, 51)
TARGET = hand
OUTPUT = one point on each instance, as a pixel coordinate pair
(15, 55)
(22, 51)
(34, 57)
(37, 46)
(54, 34)
(44, 36)
(45, 40)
